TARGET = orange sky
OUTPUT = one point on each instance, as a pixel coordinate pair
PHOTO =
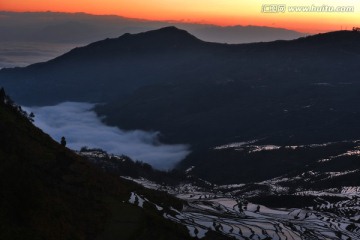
(220, 12)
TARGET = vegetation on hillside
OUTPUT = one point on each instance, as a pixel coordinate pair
(49, 192)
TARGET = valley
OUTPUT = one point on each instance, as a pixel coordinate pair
(227, 141)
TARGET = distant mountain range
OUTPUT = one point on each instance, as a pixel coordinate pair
(27, 38)
(83, 28)
(208, 94)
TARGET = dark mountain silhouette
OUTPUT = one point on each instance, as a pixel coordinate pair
(26, 38)
(49, 192)
(124, 63)
(207, 94)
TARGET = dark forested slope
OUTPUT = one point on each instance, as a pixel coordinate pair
(48, 192)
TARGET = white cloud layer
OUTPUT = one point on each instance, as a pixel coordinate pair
(81, 127)
(20, 54)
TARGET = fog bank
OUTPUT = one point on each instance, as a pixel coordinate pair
(82, 127)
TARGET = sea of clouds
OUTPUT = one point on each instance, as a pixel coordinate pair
(20, 54)
(82, 127)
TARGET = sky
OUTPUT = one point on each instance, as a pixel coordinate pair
(218, 12)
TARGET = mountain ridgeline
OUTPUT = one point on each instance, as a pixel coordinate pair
(85, 28)
(207, 94)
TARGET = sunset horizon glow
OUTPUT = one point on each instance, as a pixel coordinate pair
(221, 13)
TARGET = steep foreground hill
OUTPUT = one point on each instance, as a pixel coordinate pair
(49, 192)
(204, 94)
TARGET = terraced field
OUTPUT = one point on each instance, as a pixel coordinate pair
(317, 201)
(238, 218)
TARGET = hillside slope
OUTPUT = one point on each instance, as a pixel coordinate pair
(48, 192)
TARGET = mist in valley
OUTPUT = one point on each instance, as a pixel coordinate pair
(82, 127)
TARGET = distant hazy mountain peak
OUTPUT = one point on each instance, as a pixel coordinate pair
(169, 33)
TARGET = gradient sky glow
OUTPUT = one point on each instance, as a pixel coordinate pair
(219, 12)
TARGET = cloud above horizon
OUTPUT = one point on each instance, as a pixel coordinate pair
(82, 127)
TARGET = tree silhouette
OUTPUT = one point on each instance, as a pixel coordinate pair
(31, 117)
(2, 94)
(63, 141)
